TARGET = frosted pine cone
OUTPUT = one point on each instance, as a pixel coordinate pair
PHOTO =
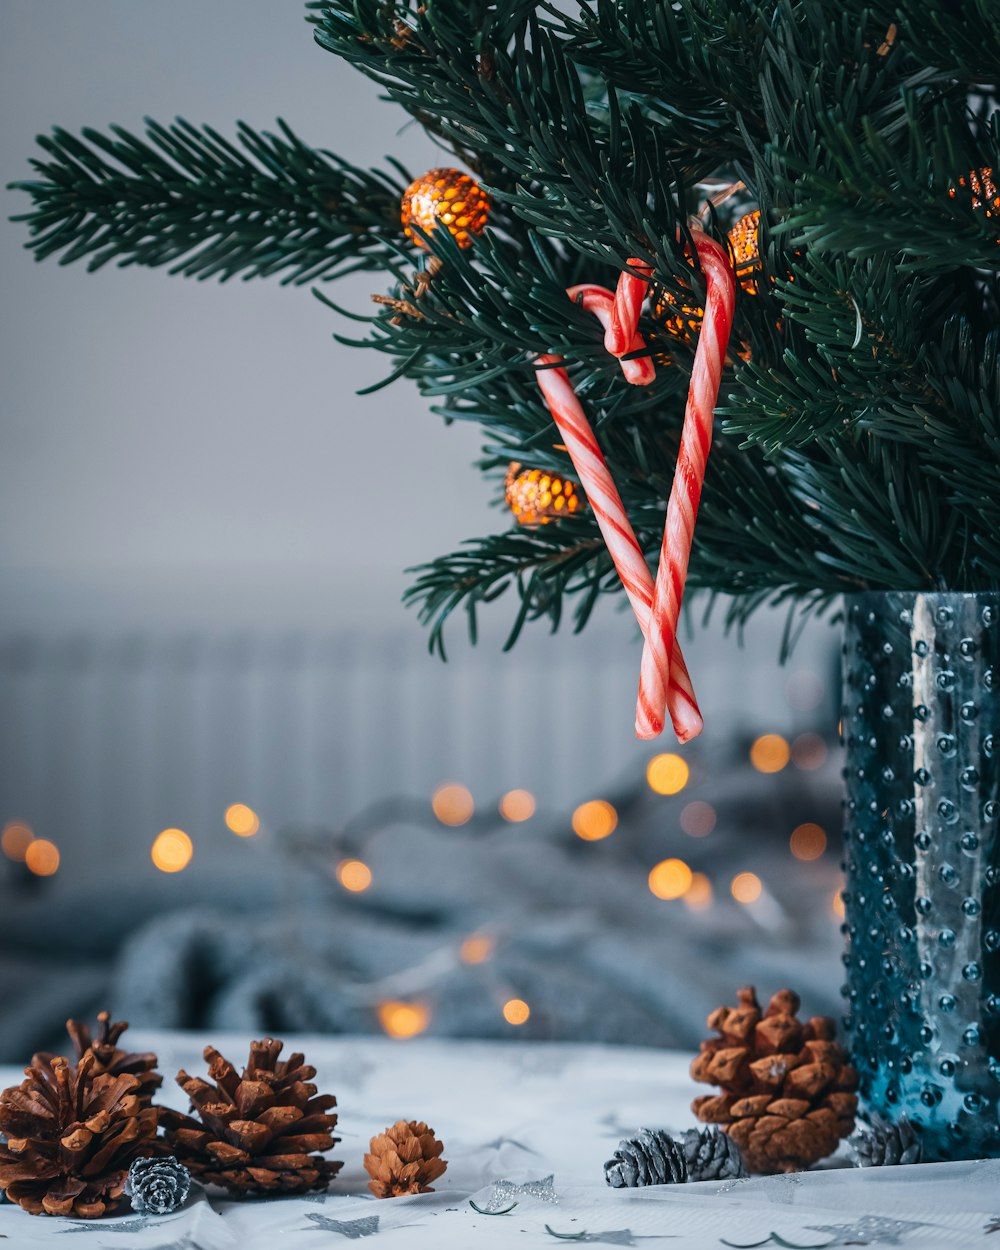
(881, 1144)
(711, 1155)
(651, 1158)
(157, 1186)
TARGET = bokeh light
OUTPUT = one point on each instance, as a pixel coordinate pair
(400, 1019)
(809, 751)
(172, 850)
(476, 948)
(807, 842)
(354, 875)
(42, 857)
(517, 805)
(242, 820)
(698, 819)
(698, 895)
(453, 804)
(837, 905)
(667, 773)
(594, 820)
(769, 754)
(516, 1011)
(746, 887)
(671, 878)
(15, 840)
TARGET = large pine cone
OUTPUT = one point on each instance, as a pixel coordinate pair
(788, 1090)
(109, 1057)
(71, 1136)
(255, 1132)
(404, 1160)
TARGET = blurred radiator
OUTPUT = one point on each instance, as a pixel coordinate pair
(105, 741)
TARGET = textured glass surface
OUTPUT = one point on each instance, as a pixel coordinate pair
(922, 896)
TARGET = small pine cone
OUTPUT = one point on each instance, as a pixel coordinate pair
(787, 1088)
(711, 1155)
(255, 1133)
(109, 1057)
(404, 1160)
(71, 1136)
(882, 1144)
(157, 1186)
(651, 1158)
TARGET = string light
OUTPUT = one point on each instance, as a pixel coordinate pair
(807, 842)
(453, 804)
(172, 850)
(808, 751)
(536, 497)
(42, 857)
(837, 905)
(667, 774)
(517, 805)
(595, 820)
(403, 1020)
(670, 878)
(15, 840)
(769, 754)
(354, 875)
(698, 895)
(746, 887)
(698, 819)
(476, 948)
(516, 1011)
(242, 820)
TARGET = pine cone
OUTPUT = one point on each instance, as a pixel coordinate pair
(711, 1155)
(255, 1132)
(71, 1136)
(404, 1160)
(652, 1158)
(157, 1186)
(882, 1144)
(787, 1089)
(109, 1057)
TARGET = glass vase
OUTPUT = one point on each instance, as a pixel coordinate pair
(922, 892)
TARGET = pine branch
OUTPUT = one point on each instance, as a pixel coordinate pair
(191, 199)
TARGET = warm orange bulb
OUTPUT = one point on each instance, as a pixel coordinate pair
(400, 1019)
(15, 840)
(837, 905)
(353, 875)
(667, 774)
(595, 820)
(808, 842)
(769, 754)
(746, 887)
(698, 819)
(671, 878)
(476, 948)
(453, 804)
(242, 820)
(172, 850)
(444, 197)
(42, 857)
(516, 1011)
(517, 805)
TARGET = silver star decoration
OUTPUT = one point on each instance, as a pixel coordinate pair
(876, 1230)
(351, 1229)
(506, 1192)
(613, 1237)
(122, 1226)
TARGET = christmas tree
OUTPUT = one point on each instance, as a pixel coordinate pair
(843, 153)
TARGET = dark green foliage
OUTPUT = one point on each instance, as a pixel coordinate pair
(859, 434)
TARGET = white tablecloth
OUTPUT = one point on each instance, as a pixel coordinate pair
(522, 1112)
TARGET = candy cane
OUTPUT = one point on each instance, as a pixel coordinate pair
(627, 302)
(689, 475)
(672, 688)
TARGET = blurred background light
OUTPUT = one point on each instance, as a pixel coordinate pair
(698, 895)
(667, 774)
(42, 857)
(809, 751)
(671, 878)
(476, 948)
(15, 840)
(172, 850)
(698, 819)
(808, 842)
(746, 887)
(453, 804)
(595, 820)
(399, 1019)
(516, 1011)
(517, 805)
(769, 753)
(242, 820)
(354, 875)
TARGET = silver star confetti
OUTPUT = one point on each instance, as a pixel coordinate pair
(506, 1192)
(351, 1229)
(875, 1230)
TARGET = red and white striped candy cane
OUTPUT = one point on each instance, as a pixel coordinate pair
(673, 689)
(628, 299)
(689, 475)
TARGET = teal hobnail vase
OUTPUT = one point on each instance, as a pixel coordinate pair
(921, 727)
